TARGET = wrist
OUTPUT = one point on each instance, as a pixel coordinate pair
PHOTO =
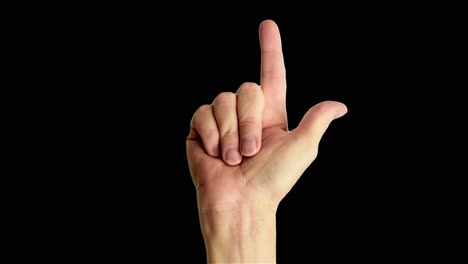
(239, 234)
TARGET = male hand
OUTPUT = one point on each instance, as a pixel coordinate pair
(242, 157)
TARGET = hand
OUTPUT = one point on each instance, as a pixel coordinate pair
(242, 157)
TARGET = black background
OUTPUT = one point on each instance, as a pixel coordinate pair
(99, 100)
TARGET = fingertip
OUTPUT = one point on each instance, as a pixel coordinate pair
(232, 157)
(341, 110)
(215, 151)
(248, 146)
(331, 109)
(267, 22)
(270, 39)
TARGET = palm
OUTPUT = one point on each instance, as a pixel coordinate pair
(220, 183)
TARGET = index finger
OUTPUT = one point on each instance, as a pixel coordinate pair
(273, 75)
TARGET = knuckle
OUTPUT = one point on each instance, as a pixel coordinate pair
(252, 115)
(231, 134)
(225, 97)
(249, 123)
(211, 135)
(248, 87)
(311, 149)
(313, 154)
(201, 109)
(274, 74)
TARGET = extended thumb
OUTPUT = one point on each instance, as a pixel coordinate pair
(316, 121)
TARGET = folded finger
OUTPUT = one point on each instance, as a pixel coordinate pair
(204, 123)
(250, 103)
(225, 112)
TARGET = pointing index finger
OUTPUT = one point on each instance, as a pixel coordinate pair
(273, 75)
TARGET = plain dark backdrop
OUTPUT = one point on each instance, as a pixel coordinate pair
(102, 96)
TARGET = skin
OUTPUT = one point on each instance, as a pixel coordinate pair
(243, 159)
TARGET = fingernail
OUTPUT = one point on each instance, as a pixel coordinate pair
(233, 156)
(340, 113)
(216, 151)
(248, 146)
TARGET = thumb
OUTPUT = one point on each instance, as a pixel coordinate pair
(316, 121)
(299, 152)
